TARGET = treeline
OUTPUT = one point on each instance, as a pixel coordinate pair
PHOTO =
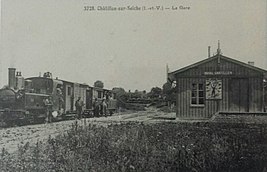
(167, 92)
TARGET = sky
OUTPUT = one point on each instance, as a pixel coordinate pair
(128, 49)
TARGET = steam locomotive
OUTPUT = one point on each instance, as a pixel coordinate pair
(22, 102)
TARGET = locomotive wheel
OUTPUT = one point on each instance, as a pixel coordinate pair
(10, 123)
(22, 122)
(39, 120)
(3, 123)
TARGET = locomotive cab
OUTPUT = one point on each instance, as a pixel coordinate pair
(50, 87)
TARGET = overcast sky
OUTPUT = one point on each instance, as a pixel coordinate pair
(129, 49)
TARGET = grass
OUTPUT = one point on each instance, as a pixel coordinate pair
(138, 147)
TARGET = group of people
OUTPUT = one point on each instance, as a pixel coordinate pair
(100, 108)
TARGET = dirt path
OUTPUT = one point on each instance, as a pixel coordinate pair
(10, 138)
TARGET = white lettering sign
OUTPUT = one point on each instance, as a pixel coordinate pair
(219, 73)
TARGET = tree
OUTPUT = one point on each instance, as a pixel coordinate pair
(118, 91)
(155, 92)
(99, 84)
(166, 88)
(168, 92)
(121, 96)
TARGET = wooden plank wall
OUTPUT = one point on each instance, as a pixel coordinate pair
(184, 108)
(256, 94)
(223, 104)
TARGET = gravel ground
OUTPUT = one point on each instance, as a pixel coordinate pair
(10, 138)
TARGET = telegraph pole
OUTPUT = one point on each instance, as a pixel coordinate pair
(167, 72)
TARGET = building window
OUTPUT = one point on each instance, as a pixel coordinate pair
(197, 95)
(69, 91)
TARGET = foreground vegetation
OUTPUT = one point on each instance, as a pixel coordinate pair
(153, 147)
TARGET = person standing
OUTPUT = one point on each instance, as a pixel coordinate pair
(78, 106)
(104, 107)
(60, 100)
(95, 108)
(48, 107)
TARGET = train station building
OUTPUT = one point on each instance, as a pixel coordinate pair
(219, 84)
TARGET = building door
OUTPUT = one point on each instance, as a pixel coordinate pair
(68, 98)
(239, 100)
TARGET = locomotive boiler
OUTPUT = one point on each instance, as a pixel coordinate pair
(19, 107)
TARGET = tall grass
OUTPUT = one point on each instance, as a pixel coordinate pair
(139, 147)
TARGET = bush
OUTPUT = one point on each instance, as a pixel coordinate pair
(139, 147)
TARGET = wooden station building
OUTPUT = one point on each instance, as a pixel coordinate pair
(218, 84)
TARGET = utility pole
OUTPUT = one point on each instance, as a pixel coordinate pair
(167, 72)
(219, 48)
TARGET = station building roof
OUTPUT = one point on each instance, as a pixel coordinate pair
(171, 75)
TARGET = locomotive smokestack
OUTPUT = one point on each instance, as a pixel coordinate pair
(11, 77)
